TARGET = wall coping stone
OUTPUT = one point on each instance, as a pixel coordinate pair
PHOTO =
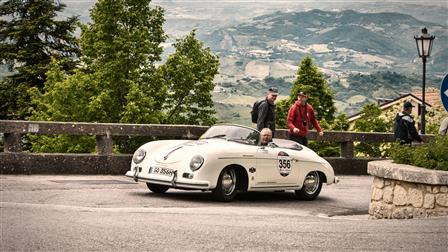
(409, 173)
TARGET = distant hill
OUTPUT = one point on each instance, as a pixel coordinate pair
(360, 88)
(363, 55)
(347, 37)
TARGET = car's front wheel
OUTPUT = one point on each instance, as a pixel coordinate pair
(311, 186)
(226, 187)
(157, 188)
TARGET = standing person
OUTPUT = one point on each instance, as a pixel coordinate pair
(405, 130)
(266, 111)
(300, 115)
(443, 130)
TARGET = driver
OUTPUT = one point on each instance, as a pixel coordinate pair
(265, 136)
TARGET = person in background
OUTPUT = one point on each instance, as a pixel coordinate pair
(405, 130)
(300, 115)
(443, 130)
(265, 136)
(266, 111)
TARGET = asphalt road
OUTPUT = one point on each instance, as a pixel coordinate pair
(112, 213)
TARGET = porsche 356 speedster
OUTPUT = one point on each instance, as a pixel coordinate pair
(228, 159)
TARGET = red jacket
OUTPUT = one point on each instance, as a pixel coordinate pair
(296, 113)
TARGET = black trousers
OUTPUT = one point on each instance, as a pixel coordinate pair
(299, 139)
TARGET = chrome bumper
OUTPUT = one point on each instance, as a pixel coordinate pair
(173, 182)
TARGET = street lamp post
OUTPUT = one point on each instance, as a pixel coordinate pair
(424, 46)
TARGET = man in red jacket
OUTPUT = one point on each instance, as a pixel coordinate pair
(300, 115)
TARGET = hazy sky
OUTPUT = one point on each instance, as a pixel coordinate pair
(429, 2)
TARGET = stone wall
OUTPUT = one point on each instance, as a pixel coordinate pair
(14, 161)
(54, 163)
(64, 163)
(404, 191)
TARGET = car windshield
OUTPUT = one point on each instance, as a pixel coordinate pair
(233, 133)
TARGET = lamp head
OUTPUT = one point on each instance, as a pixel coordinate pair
(424, 43)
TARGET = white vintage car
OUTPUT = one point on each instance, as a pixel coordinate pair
(227, 159)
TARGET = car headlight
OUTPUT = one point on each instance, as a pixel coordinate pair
(139, 155)
(196, 162)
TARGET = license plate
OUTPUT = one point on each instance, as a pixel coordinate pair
(161, 171)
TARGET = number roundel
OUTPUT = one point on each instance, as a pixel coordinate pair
(284, 163)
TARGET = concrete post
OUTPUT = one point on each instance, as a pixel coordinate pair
(347, 149)
(104, 144)
(13, 142)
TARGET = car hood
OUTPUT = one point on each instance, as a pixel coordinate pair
(177, 153)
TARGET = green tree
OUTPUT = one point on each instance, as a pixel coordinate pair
(119, 81)
(371, 121)
(30, 35)
(13, 99)
(65, 98)
(311, 81)
(340, 123)
(189, 74)
(120, 49)
(145, 101)
(282, 108)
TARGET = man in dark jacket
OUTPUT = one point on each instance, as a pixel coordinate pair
(405, 130)
(266, 111)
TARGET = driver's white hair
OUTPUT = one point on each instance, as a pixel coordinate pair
(266, 130)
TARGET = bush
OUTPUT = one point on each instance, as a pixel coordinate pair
(433, 155)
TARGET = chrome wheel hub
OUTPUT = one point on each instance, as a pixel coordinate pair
(311, 183)
(228, 182)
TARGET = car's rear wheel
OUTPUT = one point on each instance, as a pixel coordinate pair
(226, 187)
(311, 186)
(157, 188)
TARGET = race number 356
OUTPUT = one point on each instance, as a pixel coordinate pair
(284, 163)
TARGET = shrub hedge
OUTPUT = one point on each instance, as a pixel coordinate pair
(432, 155)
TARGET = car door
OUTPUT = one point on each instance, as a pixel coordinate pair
(275, 167)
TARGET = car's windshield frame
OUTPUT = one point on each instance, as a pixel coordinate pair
(231, 132)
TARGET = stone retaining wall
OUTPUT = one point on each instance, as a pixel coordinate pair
(64, 163)
(404, 191)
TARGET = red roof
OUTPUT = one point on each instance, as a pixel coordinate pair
(432, 96)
